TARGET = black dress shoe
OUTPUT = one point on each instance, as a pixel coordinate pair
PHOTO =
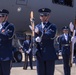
(24, 68)
(31, 68)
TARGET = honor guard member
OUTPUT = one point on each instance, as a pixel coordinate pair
(28, 52)
(64, 46)
(6, 34)
(45, 52)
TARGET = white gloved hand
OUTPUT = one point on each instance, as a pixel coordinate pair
(72, 39)
(38, 39)
(27, 52)
(30, 27)
(36, 30)
(71, 26)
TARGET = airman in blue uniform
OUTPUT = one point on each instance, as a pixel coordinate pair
(45, 52)
(6, 34)
(64, 46)
(28, 53)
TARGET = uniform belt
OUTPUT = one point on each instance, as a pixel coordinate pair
(65, 44)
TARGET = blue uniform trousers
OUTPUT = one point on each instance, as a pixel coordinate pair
(26, 60)
(4, 67)
(66, 57)
(45, 67)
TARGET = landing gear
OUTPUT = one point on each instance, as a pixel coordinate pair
(18, 56)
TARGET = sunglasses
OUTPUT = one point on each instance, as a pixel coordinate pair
(43, 15)
(2, 16)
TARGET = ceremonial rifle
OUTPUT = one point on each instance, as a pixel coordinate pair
(33, 45)
(72, 51)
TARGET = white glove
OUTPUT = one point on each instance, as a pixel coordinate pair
(28, 51)
(72, 39)
(38, 39)
(30, 27)
(36, 30)
(71, 26)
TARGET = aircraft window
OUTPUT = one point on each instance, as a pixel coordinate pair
(21, 2)
(64, 2)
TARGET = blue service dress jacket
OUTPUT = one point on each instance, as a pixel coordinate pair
(6, 34)
(64, 44)
(26, 45)
(45, 48)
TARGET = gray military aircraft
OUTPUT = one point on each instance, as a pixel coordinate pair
(62, 12)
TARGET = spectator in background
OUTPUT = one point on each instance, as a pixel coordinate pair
(28, 53)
